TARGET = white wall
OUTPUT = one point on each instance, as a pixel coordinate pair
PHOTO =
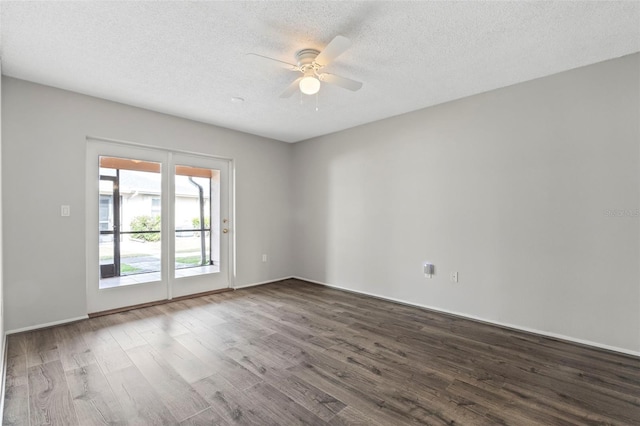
(43, 167)
(509, 188)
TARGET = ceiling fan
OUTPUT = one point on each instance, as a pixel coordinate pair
(310, 63)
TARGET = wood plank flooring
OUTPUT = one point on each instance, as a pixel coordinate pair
(292, 353)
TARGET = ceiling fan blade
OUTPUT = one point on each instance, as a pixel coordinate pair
(335, 48)
(293, 88)
(273, 61)
(343, 82)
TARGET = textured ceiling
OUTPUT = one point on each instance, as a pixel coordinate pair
(189, 58)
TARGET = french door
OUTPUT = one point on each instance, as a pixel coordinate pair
(199, 255)
(158, 225)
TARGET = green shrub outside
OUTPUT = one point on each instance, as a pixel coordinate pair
(196, 222)
(146, 223)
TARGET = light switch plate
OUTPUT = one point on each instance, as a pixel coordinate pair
(65, 210)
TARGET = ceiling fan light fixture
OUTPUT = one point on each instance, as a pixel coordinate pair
(309, 85)
(310, 62)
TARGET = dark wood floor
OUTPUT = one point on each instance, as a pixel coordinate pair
(296, 353)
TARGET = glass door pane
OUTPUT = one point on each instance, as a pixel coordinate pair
(196, 241)
(132, 211)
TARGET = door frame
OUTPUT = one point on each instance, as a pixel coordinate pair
(157, 290)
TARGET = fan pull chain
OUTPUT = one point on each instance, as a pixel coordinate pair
(317, 109)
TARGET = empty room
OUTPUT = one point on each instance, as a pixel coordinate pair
(322, 213)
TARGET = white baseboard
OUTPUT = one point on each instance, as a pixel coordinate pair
(275, 280)
(484, 320)
(391, 299)
(64, 321)
(49, 324)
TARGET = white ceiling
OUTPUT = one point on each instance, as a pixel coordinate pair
(189, 58)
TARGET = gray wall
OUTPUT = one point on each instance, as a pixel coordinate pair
(43, 167)
(510, 188)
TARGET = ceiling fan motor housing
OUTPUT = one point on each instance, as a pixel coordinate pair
(306, 57)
